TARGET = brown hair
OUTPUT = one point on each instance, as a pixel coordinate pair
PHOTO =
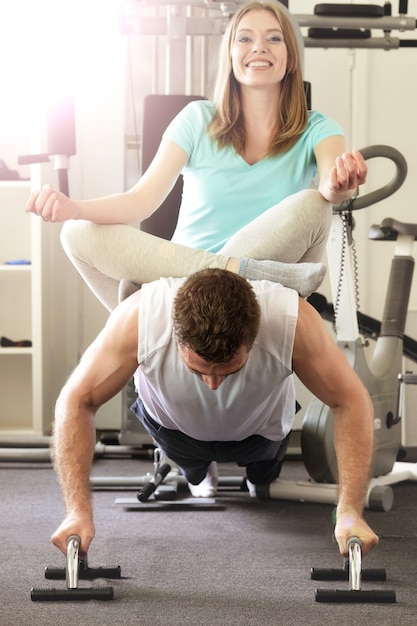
(227, 124)
(215, 313)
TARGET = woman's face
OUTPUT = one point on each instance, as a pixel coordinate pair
(259, 53)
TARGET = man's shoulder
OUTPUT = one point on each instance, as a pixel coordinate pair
(165, 283)
(279, 305)
(272, 288)
(310, 326)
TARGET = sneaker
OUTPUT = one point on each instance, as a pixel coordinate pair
(208, 486)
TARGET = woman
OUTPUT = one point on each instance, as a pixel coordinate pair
(248, 160)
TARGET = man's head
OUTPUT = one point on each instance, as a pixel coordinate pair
(215, 320)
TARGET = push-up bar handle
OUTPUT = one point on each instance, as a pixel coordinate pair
(72, 569)
(355, 563)
(150, 487)
(370, 152)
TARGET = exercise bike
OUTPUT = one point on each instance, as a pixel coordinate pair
(382, 373)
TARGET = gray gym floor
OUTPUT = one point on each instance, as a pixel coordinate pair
(246, 563)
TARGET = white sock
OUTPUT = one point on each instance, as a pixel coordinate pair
(251, 488)
(208, 486)
(303, 277)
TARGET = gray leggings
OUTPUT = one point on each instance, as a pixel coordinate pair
(293, 231)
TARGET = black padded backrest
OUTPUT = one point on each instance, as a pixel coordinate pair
(158, 111)
(307, 91)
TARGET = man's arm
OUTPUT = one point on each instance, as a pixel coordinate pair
(325, 371)
(105, 368)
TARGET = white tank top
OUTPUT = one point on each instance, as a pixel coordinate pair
(257, 400)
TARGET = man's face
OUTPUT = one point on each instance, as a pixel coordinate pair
(212, 374)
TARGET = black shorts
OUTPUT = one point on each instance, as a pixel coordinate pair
(261, 457)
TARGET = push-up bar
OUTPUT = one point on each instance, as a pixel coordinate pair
(75, 570)
(353, 572)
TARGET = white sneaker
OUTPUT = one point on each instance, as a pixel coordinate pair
(208, 486)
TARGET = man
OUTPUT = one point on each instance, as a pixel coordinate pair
(213, 357)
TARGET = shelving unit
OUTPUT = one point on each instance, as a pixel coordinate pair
(39, 302)
(17, 365)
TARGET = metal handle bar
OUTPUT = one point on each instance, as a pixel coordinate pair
(387, 190)
(355, 563)
(72, 569)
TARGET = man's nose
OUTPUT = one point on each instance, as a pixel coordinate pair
(213, 381)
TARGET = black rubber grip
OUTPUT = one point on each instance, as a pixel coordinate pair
(145, 493)
(403, 7)
(339, 33)
(59, 573)
(348, 10)
(337, 595)
(408, 43)
(343, 574)
(87, 593)
(394, 316)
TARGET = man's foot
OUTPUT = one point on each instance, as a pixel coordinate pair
(208, 486)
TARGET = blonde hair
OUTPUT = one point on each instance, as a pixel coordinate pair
(227, 127)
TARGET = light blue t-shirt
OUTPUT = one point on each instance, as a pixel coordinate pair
(222, 192)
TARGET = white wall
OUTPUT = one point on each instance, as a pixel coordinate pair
(98, 168)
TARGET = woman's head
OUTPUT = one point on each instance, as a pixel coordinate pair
(292, 113)
(259, 53)
(290, 38)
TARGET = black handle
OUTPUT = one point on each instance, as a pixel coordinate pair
(387, 190)
(85, 593)
(156, 480)
(84, 573)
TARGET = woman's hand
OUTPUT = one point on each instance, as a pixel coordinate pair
(349, 171)
(51, 205)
